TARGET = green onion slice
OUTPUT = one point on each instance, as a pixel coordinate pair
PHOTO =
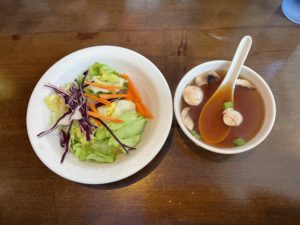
(239, 141)
(228, 105)
(195, 134)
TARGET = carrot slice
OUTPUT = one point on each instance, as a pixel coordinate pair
(124, 76)
(134, 95)
(110, 96)
(101, 117)
(139, 108)
(133, 90)
(97, 99)
(93, 108)
(129, 95)
(146, 112)
(107, 87)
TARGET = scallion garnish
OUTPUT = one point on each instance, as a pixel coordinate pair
(228, 105)
(239, 141)
(195, 134)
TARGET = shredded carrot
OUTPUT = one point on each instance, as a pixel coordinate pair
(97, 99)
(133, 95)
(107, 87)
(93, 108)
(133, 90)
(110, 96)
(129, 96)
(146, 112)
(139, 108)
(124, 76)
(101, 117)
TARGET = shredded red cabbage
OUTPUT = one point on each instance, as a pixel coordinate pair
(63, 138)
(56, 125)
(66, 143)
(73, 99)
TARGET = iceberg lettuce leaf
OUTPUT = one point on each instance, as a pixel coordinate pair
(56, 105)
(97, 149)
(103, 74)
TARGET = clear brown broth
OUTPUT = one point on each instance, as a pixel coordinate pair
(247, 101)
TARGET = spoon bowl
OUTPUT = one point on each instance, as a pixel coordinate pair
(211, 125)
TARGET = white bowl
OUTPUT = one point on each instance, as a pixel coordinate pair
(151, 85)
(247, 73)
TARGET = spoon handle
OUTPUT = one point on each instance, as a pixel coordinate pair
(238, 60)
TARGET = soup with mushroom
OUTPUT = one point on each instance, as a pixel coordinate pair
(245, 115)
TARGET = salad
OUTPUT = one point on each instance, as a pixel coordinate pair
(99, 115)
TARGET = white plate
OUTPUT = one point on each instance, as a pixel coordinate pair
(153, 89)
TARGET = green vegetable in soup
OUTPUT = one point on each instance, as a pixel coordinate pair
(239, 141)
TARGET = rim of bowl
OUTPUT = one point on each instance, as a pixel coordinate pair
(234, 150)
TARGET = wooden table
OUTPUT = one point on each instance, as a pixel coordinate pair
(184, 184)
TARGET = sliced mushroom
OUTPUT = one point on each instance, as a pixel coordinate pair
(206, 78)
(192, 95)
(232, 117)
(186, 119)
(245, 83)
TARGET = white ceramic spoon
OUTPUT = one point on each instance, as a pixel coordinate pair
(211, 125)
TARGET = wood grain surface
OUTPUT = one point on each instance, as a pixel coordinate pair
(184, 184)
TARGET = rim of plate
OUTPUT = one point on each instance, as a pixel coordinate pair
(137, 167)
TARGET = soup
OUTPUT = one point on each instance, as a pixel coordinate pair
(247, 101)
